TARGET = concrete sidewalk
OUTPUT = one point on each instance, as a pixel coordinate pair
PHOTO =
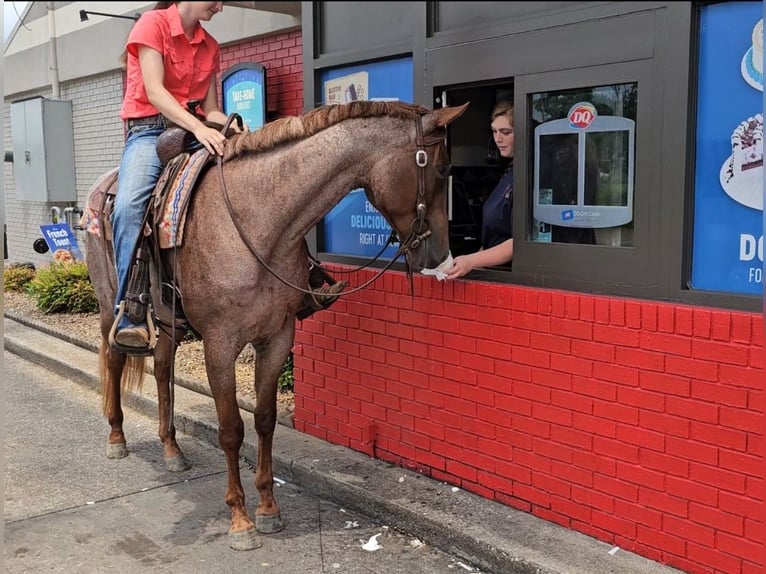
(493, 536)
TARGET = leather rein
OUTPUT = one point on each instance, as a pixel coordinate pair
(419, 231)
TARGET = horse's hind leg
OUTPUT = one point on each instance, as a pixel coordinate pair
(269, 360)
(112, 365)
(220, 356)
(164, 357)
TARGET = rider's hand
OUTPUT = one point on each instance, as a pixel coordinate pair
(211, 138)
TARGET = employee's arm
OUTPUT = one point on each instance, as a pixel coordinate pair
(498, 255)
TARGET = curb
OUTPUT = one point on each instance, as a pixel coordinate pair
(283, 417)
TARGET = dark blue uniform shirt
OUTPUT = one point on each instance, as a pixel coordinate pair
(497, 221)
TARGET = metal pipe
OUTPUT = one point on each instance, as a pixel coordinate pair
(84, 15)
(72, 217)
(54, 63)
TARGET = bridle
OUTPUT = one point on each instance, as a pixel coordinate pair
(419, 230)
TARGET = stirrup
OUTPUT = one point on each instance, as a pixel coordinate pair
(318, 276)
(149, 349)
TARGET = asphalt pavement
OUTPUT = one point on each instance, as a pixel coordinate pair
(70, 509)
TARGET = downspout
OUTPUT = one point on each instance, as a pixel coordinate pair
(54, 62)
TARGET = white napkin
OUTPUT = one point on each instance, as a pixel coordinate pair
(372, 544)
(439, 272)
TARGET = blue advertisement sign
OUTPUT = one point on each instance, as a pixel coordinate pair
(728, 193)
(59, 236)
(354, 226)
(244, 92)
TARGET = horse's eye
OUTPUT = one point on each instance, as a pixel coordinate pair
(444, 169)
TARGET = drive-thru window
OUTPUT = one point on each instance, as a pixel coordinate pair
(590, 380)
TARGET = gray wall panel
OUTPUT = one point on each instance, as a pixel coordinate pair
(27, 70)
(455, 15)
(350, 26)
(565, 47)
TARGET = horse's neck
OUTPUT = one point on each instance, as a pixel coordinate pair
(331, 164)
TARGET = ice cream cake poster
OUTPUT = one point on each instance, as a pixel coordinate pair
(728, 181)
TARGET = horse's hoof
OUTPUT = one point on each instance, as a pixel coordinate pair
(177, 463)
(116, 450)
(245, 540)
(269, 524)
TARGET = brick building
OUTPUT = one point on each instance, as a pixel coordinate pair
(611, 379)
(613, 386)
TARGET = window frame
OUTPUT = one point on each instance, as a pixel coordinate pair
(590, 268)
(685, 47)
(663, 35)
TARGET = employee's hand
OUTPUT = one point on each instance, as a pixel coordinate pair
(463, 264)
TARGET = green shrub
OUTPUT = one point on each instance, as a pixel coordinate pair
(64, 288)
(285, 381)
(16, 277)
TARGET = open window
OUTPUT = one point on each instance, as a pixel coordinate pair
(476, 167)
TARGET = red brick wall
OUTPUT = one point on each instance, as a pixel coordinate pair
(635, 422)
(282, 56)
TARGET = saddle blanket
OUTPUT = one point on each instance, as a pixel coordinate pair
(170, 226)
(91, 218)
(172, 214)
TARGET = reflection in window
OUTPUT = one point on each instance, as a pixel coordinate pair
(606, 168)
(558, 169)
(583, 162)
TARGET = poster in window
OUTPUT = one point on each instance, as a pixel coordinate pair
(354, 226)
(728, 185)
(347, 88)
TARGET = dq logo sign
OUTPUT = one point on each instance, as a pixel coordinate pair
(581, 115)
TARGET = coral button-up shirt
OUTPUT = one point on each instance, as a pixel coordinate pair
(190, 65)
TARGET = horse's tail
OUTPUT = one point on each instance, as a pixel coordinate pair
(132, 378)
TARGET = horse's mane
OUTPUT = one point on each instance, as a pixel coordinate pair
(294, 128)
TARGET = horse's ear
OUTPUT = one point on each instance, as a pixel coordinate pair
(445, 116)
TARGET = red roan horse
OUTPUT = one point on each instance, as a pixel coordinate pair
(280, 180)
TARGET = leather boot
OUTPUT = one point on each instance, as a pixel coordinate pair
(323, 295)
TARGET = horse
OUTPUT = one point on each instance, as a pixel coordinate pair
(244, 252)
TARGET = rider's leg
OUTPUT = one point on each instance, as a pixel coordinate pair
(140, 169)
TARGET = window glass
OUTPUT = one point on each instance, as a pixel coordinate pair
(583, 164)
(727, 252)
(607, 183)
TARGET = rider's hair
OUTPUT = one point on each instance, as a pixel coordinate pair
(157, 6)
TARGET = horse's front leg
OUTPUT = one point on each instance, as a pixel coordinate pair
(164, 357)
(269, 360)
(112, 364)
(220, 355)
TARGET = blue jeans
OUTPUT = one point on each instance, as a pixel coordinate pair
(140, 169)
